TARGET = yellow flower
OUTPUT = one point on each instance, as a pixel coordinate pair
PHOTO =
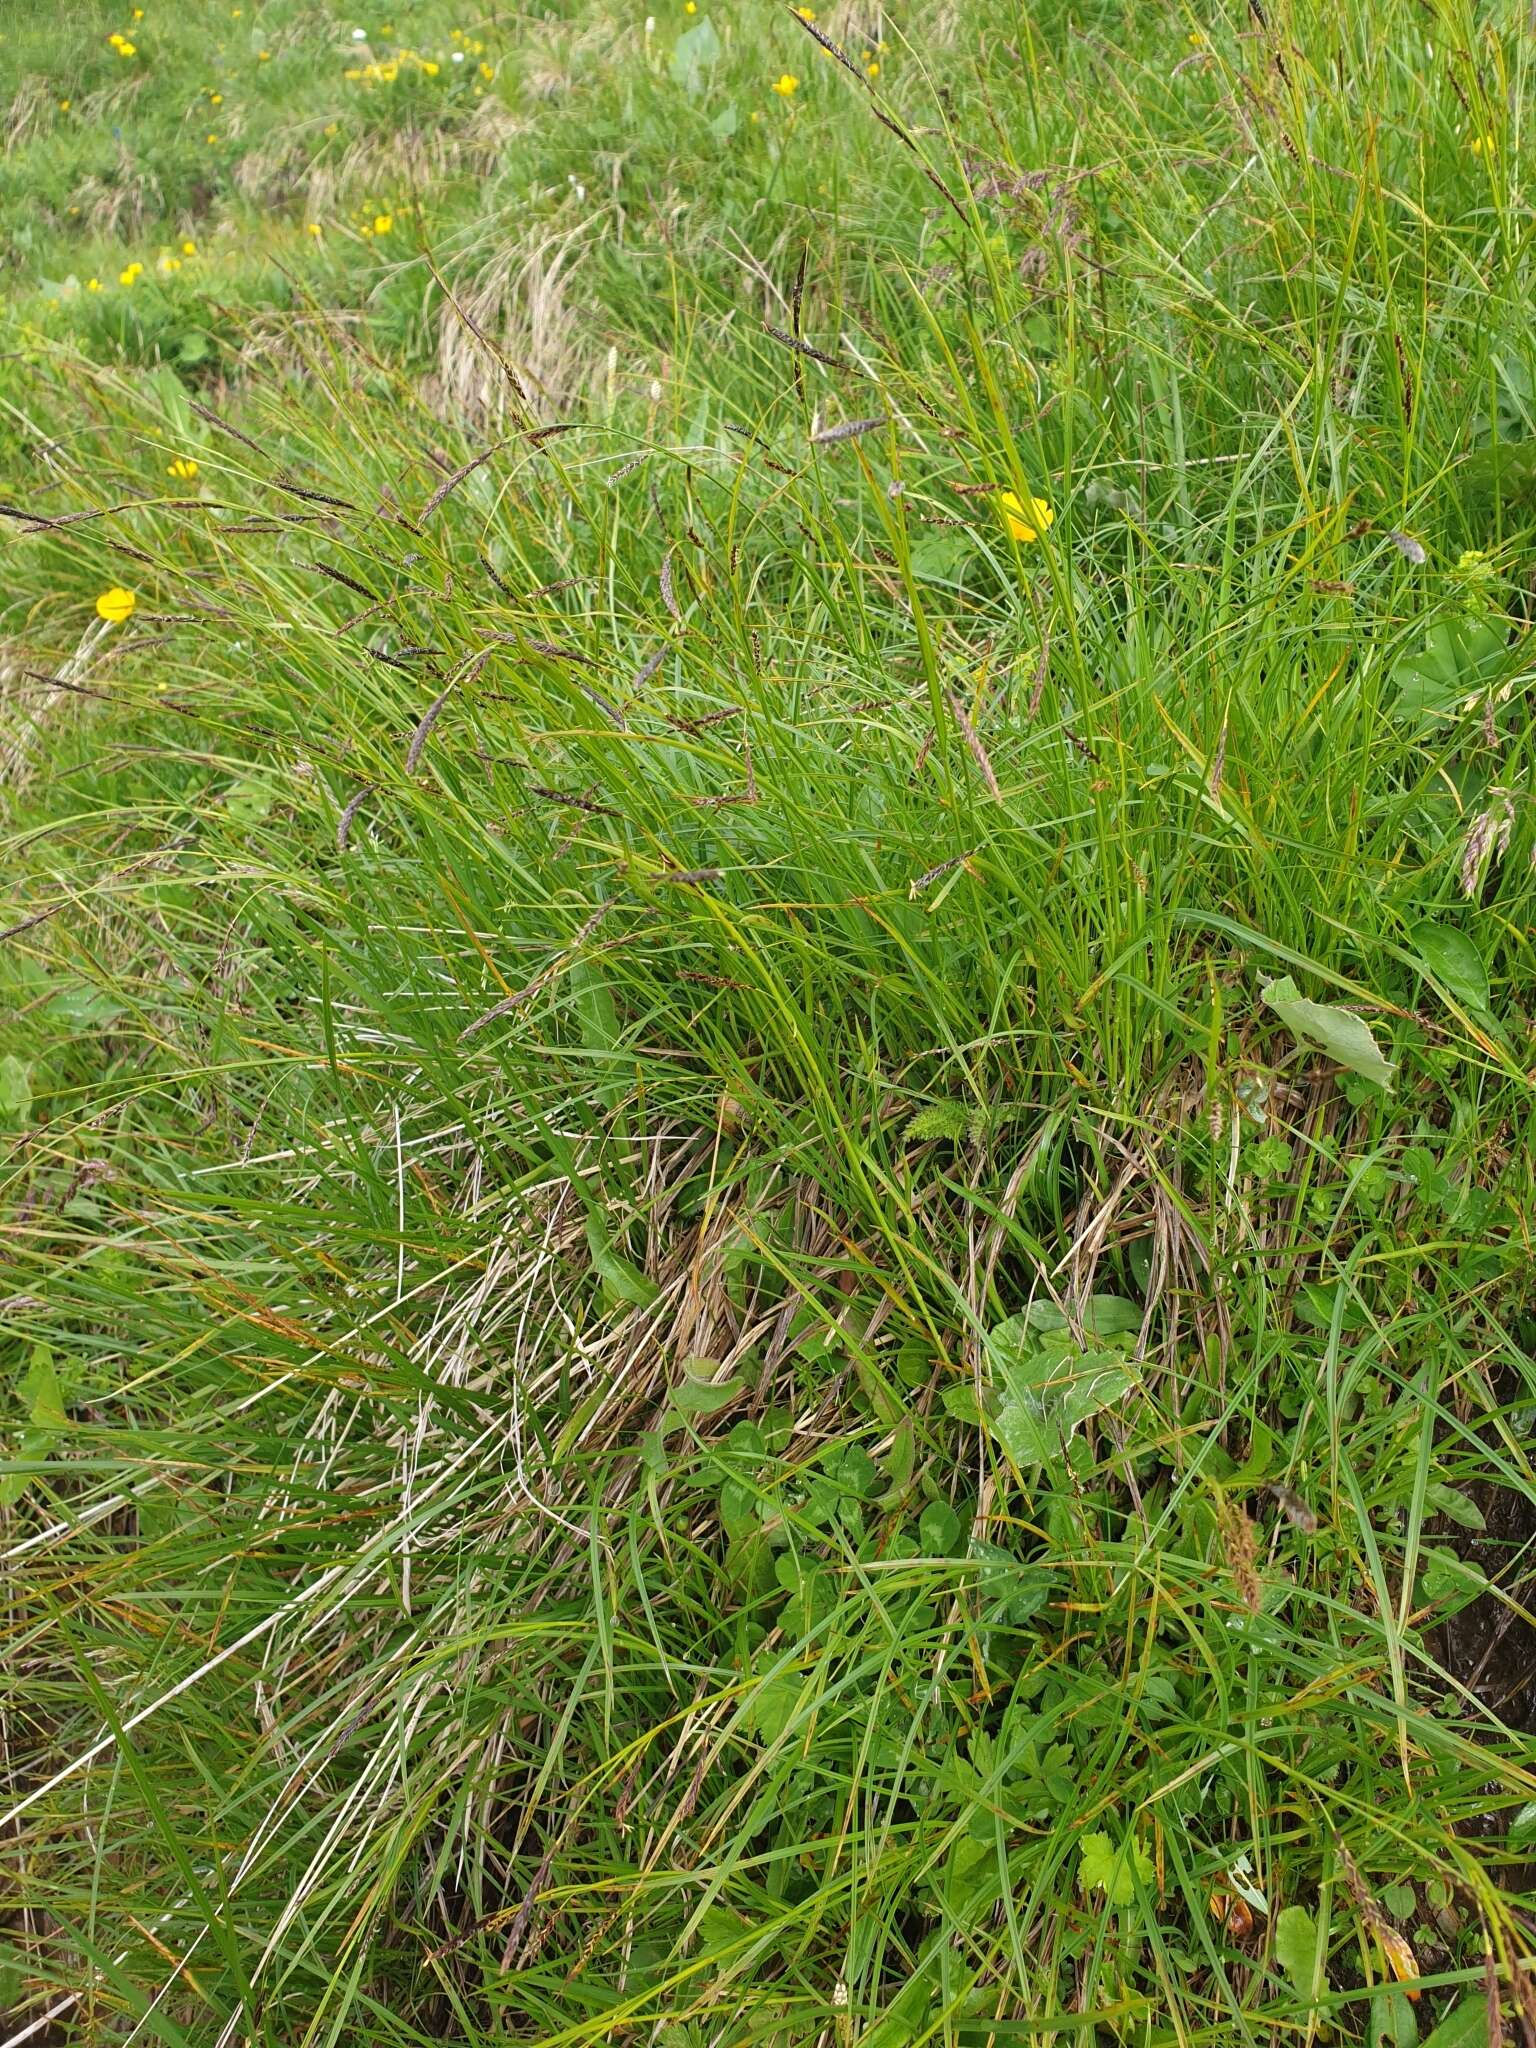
(786, 85)
(1197, 39)
(1482, 145)
(1026, 521)
(806, 13)
(690, 6)
(872, 68)
(63, 106)
(754, 115)
(212, 138)
(216, 99)
(486, 72)
(184, 468)
(313, 228)
(138, 14)
(382, 223)
(167, 264)
(115, 605)
(263, 56)
(389, 73)
(126, 50)
(115, 39)
(430, 68)
(131, 274)
(189, 248)
(93, 284)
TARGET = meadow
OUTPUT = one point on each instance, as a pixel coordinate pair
(766, 964)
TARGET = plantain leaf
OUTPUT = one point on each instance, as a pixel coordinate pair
(1339, 1033)
(1451, 959)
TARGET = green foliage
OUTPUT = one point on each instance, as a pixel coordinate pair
(700, 1342)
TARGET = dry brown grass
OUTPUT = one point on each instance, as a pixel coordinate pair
(519, 302)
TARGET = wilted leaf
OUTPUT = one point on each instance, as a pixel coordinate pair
(1340, 1033)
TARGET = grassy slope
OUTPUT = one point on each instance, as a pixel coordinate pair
(569, 1009)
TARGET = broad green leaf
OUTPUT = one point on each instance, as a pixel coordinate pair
(770, 1706)
(1454, 1504)
(1465, 2027)
(622, 1280)
(40, 1395)
(1296, 1948)
(1047, 1390)
(938, 1530)
(15, 1090)
(1392, 2022)
(696, 51)
(1103, 1315)
(1340, 1033)
(1452, 960)
(704, 1397)
(1103, 1866)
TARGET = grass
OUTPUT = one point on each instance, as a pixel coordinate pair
(767, 1253)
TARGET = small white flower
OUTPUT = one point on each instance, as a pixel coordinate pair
(650, 24)
(458, 57)
(359, 35)
(581, 191)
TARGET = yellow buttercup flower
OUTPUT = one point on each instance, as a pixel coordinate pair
(115, 606)
(430, 68)
(184, 468)
(216, 99)
(1482, 145)
(93, 284)
(115, 39)
(167, 264)
(126, 50)
(872, 69)
(805, 13)
(313, 228)
(382, 223)
(486, 72)
(212, 138)
(263, 56)
(189, 248)
(785, 85)
(131, 274)
(690, 6)
(1025, 519)
(63, 106)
